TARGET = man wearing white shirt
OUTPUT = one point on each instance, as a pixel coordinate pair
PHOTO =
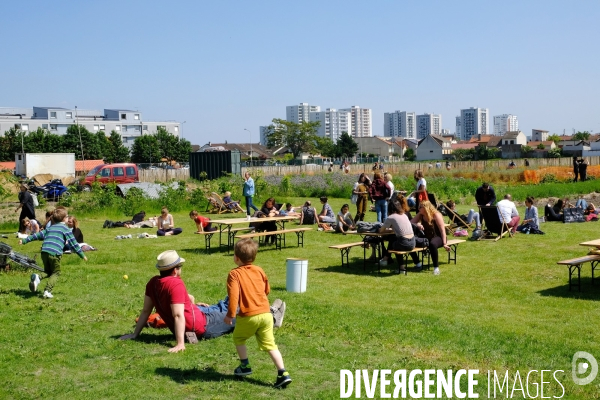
(508, 211)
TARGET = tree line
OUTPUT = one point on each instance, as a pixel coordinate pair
(161, 145)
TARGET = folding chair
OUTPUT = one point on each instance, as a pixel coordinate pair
(220, 204)
(495, 225)
(211, 205)
(456, 221)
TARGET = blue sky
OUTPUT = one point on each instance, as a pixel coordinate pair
(228, 65)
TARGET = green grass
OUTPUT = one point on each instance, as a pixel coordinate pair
(504, 305)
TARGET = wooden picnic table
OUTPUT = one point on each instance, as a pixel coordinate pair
(591, 243)
(378, 245)
(226, 224)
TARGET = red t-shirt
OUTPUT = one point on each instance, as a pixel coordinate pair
(168, 290)
(202, 220)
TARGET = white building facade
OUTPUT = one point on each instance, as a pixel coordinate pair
(333, 123)
(428, 124)
(471, 122)
(360, 124)
(128, 123)
(300, 112)
(399, 124)
(505, 123)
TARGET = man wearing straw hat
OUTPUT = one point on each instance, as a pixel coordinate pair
(168, 294)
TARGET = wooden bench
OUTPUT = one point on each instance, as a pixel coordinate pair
(453, 243)
(576, 263)
(345, 250)
(422, 251)
(207, 237)
(280, 235)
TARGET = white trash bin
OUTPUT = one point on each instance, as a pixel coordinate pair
(296, 274)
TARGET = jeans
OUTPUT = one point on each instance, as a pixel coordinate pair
(434, 245)
(474, 216)
(581, 203)
(412, 202)
(221, 306)
(215, 324)
(249, 205)
(381, 210)
(551, 215)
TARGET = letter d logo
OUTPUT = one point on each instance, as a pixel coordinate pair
(583, 367)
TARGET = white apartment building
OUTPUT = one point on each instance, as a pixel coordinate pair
(300, 112)
(471, 122)
(361, 125)
(128, 123)
(399, 124)
(505, 123)
(428, 124)
(539, 135)
(333, 122)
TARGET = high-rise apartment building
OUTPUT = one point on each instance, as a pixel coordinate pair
(360, 124)
(472, 121)
(399, 124)
(505, 123)
(300, 112)
(333, 123)
(428, 124)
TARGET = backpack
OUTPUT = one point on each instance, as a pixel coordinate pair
(308, 216)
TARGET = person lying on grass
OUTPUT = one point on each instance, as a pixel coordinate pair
(167, 293)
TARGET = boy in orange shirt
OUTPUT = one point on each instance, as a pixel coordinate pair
(248, 287)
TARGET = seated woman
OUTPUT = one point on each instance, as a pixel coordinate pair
(431, 221)
(73, 224)
(326, 214)
(308, 214)
(231, 204)
(404, 238)
(531, 220)
(591, 209)
(203, 224)
(30, 226)
(344, 220)
(554, 213)
(166, 224)
(270, 210)
(473, 215)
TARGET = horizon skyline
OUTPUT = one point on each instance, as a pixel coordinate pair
(224, 68)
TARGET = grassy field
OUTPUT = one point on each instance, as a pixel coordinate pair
(503, 306)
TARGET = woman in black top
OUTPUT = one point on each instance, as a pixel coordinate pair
(269, 210)
(26, 206)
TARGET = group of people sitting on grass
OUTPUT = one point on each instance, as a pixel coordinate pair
(555, 212)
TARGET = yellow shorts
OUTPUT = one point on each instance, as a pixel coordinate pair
(260, 325)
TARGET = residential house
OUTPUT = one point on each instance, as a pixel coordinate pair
(434, 147)
(511, 144)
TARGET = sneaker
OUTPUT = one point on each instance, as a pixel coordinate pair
(35, 281)
(283, 380)
(47, 295)
(127, 237)
(278, 313)
(419, 266)
(383, 262)
(436, 271)
(242, 370)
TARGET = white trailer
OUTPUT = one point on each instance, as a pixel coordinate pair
(59, 164)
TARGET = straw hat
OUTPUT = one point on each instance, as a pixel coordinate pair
(167, 260)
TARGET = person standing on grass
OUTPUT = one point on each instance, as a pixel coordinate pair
(248, 287)
(26, 206)
(583, 164)
(248, 193)
(54, 239)
(575, 168)
(380, 192)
